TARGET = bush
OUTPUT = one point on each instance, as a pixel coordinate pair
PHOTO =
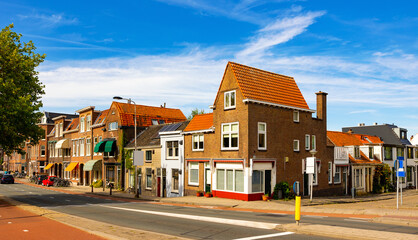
(98, 184)
(284, 187)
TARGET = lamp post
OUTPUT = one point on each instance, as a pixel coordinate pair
(135, 179)
(313, 152)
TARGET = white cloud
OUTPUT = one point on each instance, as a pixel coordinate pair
(48, 21)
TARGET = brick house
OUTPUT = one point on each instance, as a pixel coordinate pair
(364, 153)
(262, 131)
(118, 129)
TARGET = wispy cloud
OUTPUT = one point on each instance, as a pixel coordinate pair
(49, 21)
(280, 31)
(363, 111)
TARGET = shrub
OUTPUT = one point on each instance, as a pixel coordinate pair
(98, 184)
(284, 187)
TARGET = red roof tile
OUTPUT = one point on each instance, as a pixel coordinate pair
(200, 122)
(266, 86)
(145, 114)
(73, 125)
(342, 139)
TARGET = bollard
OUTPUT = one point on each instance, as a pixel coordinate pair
(297, 210)
(92, 188)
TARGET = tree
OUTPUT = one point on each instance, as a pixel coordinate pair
(20, 92)
(195, 112)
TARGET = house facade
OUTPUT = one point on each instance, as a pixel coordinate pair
(263, 130)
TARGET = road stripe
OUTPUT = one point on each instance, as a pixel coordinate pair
(266, 236)
(243, 223)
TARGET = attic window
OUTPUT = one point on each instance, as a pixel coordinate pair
(229, 100)
(154, 122)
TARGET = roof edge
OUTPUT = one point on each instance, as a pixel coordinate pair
(278, 105)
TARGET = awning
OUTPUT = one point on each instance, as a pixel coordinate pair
(100, 147)
(110, 146)
(90, 165)
(48, 166)
(71, 166)
(63, 143)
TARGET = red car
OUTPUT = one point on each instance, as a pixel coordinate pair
(49, 181)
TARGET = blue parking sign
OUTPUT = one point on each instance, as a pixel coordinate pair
(400, 171)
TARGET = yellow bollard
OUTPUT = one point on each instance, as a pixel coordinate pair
(297, 210)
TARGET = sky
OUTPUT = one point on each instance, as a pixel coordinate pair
(364, 54)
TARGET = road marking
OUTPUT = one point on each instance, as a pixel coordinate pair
(261, 225)
(266, 236)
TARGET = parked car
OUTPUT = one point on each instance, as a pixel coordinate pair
(7, 178)
(49, 181)
(41, 178)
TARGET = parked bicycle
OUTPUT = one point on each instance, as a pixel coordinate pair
(59, 182)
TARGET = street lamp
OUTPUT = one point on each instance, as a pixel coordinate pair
(129, 102)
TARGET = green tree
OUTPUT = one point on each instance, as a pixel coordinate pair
(20, 91)
(194, 112)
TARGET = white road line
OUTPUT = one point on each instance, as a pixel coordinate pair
(266, 236)
(243, 223)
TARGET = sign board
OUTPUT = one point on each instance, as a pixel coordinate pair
(138, 158)
(400, 169)
(310, 165)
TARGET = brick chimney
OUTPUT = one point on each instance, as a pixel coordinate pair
(321, 106)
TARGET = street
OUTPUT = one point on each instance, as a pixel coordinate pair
(187, 222)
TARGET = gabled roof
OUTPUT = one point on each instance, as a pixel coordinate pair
(200, 122)
(50, 115)
(342, 139)
(385, 132)
(145, 114)
(260, 85)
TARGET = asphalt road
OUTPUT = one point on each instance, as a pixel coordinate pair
(186, 222)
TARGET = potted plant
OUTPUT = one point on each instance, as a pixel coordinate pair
(266, 197)
(199, 193)
(208, 194)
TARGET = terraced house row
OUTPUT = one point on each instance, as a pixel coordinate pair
(259, 133)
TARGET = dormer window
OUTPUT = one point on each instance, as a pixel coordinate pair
(356, 152)
(403, 134)
(229, 100)
(295, 116)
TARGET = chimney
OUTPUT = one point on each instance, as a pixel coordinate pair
(321, 106)
(375, 123)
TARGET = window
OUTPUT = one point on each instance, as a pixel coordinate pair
(88, 146)
(371, 153)
(74, 148)
(194, 173)
(161, 121)
(416, 152)
(230, 180)
(356, 152)
(399, 152)
(239, 181)
(220, 179)
(307, 142)
(315, 175)
(88, 125)
(296, 145)
(403, 135)
(42, 151)
(148, 181)
(148, 155)
(229, 100)
(262, 136)
(172, 149)
(100, 139)
(82, 147)
(154, 122)
(409, 174)
(258, 181)
(410, 152)
(388, 153)
(82, 126)
(94, 144)
(330, 172)
(358, 177)
(313, 139)
(295, 116)
(77, 148)
(197, 144)
(175, 180)
(337, 175)
(113, 126)
(230, 133)
(61, 129)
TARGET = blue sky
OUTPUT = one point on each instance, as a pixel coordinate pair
(363, 53)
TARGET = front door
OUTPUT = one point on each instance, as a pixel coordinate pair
(158, 186)
(208, 180)
(267, 182)
(305, 184)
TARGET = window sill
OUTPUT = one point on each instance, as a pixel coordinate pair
(229, 108)
(229, 149)
(336, 183)
(193, 184)
(197, 150)
(262, 149)
(295, 150)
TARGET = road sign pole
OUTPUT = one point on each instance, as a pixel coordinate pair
(401, 192)
(397, 185)
(311, 181)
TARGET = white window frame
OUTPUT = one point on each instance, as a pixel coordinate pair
(228, 104)
(313, 140)
(296, 117)
(74, 148)
(230, 132)
(88, 146)
(262, 132)
(296, 148)
(82, 125)
(200, 139)
(174, 156)
(225, 179)
(263, 179)
(193, 166)
(154, 121)
(307, 142)
(95, 141)
(82, 143)
(113, 126)
(337, 170)
(146, 153)
(172, 180)
(88, 123)
(43, 155)
(146, 178)
(315, 175)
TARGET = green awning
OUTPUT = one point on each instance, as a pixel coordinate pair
(99, 147)
(110, 146)
(90, 165)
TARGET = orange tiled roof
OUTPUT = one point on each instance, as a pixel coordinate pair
(266, 86)
(101, 117)
(351, 139)
(145, 114)
(200, 122)
(363, 159)
(367, 139)
(73, 125)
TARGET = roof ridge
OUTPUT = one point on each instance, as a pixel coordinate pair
(261, 70)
